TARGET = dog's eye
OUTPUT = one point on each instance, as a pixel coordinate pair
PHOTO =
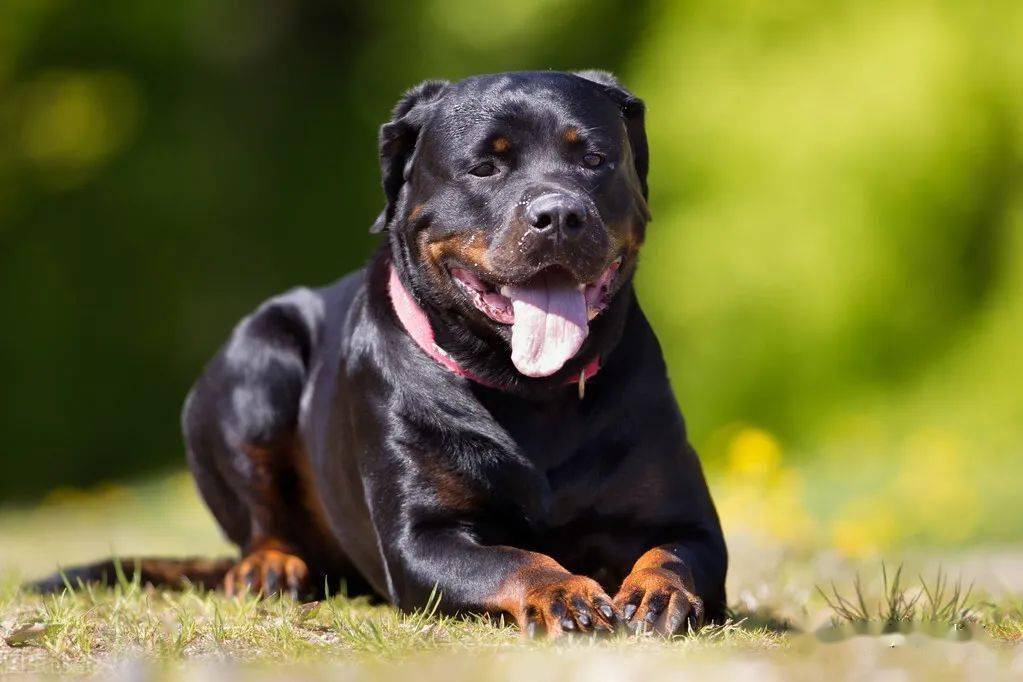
(593, 159)
(482, 170)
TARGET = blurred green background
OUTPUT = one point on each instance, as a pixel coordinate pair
(835, 267)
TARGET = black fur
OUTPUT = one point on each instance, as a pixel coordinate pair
(321, 426)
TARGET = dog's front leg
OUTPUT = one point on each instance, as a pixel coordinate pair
(534, 589)
(666, 589)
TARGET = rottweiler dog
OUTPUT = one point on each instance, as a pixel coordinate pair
(483, 410)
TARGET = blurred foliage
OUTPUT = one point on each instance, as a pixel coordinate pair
(835, 268)
(165, 166)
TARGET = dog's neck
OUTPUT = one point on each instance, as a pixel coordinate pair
(417, 324)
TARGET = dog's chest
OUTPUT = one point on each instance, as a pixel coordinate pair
(573, 481)
(547, 434)
(571, 459)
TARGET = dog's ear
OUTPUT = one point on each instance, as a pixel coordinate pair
(634, 114)
(398, 139)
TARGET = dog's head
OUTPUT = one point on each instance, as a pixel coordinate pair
(516, 205)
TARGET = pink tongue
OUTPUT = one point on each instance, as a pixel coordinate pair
(550, 322)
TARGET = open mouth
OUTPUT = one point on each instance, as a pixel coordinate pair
(549, 313)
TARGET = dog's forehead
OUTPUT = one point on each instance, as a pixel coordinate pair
(526, 99)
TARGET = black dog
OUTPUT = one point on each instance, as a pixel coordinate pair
(484, 408)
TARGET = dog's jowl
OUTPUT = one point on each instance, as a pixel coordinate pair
(483, 410)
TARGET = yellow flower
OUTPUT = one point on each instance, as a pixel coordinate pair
(753, 453)
(758, 494)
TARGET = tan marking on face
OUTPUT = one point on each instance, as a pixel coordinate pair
(500, 145)
(626, 238)
(416, 211)
(469, 249)
(633, 241)
(571, 135)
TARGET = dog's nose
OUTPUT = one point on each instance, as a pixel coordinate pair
(556, 213)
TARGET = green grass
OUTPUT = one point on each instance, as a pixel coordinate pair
(96, 630)
(91, 629)
(941, 603)
(795, 613)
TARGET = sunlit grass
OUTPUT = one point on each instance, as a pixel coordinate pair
(95, 629)
(780, 624)
(940, 606)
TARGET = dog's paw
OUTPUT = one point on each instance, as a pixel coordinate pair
(266, 572)
(557, 603)
(657, 600)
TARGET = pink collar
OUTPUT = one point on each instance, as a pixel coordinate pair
(418, 327)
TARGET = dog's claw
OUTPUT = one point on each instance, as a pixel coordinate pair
(657, 599)
(261, 572)
(562, 603)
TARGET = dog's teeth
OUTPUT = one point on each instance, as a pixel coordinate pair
(504, 291)
(581, 286)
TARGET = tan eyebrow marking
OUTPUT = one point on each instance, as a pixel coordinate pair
(571, 135)
(500, 144)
